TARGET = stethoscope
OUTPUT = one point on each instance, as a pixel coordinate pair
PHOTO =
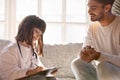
(34, 53)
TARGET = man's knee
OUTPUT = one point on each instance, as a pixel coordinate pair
(105, 70)
(75, 63)
(103, 66)
(108, 71)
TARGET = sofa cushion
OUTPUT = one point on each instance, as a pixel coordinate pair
(61, 56)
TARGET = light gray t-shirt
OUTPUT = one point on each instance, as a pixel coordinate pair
(105, 39)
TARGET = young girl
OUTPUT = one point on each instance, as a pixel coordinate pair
(21, 58)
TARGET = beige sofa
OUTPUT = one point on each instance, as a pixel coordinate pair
(57, 56)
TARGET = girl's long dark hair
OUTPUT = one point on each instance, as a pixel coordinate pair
(26, 28)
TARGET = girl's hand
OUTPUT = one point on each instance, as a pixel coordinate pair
(38, 69)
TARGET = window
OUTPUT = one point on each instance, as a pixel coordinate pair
(2, 18)
(76, 11)
(51, 10)
(24, 8)
(66, 19)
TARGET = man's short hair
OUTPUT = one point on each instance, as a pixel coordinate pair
(105, 2)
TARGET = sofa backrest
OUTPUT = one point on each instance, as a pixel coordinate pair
(61, 56)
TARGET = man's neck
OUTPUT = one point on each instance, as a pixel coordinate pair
(107, 20)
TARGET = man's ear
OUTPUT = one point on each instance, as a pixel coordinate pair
(107, 8)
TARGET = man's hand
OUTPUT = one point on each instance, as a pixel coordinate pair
(88, 54)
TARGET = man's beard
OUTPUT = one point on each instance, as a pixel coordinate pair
(94, 17)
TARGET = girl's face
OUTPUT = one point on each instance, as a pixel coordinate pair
(36, 34)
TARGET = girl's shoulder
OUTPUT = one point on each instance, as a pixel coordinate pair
(11, 47)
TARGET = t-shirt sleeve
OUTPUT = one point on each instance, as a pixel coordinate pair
(114, 59)
(88, 37)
